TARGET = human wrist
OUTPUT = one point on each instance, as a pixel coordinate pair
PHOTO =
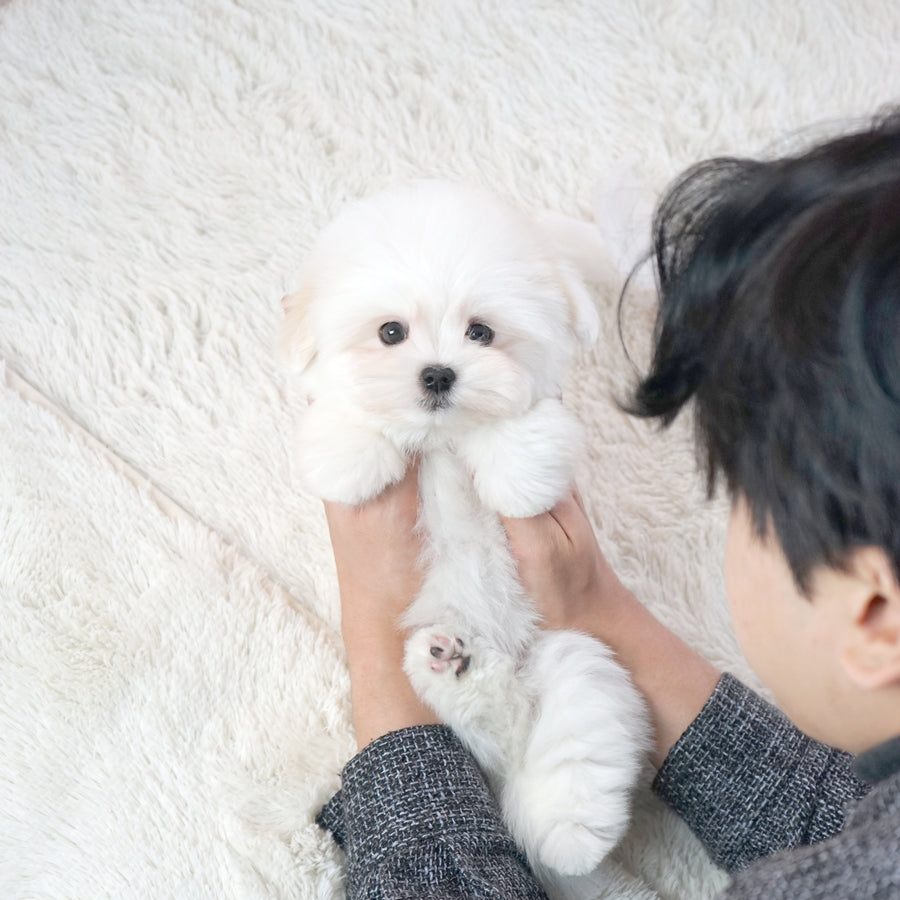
(370, 622)
(675, 679)
(373, 655)
(605, 611)
(384, 701)
(381, 696)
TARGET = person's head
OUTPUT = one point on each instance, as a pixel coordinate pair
(779, 317)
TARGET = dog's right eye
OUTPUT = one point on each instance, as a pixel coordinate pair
(392, 333)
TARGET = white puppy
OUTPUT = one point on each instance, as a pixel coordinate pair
(434, 322)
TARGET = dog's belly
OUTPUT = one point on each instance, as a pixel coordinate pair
(471, 577)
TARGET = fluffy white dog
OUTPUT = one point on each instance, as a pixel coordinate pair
(434, 322)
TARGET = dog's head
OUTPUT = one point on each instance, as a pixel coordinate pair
(433, 306)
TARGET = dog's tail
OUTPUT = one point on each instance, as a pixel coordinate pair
(581, 245)
(616, 244)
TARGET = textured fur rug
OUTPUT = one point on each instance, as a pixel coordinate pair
(174, 695)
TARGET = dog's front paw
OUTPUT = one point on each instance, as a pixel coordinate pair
(345, 463)
(523, 467)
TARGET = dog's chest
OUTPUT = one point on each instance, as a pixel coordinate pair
(452, 514)
(472, 577)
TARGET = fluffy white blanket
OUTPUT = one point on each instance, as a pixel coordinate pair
(174, 699)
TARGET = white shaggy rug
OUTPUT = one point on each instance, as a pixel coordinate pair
(174, 699)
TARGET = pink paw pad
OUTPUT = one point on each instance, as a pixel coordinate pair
(448, 654)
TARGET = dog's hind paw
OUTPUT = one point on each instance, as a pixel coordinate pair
(448, 654)
(437, 650)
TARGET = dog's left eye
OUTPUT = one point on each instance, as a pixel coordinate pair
(480, 333)
(392, 333)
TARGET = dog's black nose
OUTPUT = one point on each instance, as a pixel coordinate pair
(437, 379)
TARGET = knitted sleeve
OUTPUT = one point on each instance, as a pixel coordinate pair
(749, 783)
(416, 819)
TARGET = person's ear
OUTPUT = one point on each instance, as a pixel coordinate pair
(871, 654)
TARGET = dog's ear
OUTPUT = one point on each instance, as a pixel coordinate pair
(296, 345)
(584, 317)
(580, 257)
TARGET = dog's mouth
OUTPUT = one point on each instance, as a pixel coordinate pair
(435, 403)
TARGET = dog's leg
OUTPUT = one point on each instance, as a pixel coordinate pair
(474, 689)
(523, 466)
(344, 462)
(569, 800)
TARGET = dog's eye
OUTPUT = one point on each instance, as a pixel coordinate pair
(480, 333)
(392, 333)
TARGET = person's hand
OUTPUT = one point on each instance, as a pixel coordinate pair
(563, 569)
(376, 552)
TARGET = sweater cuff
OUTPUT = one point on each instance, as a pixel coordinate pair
(410, 785)
(732, 763)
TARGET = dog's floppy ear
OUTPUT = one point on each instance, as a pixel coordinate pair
(580, 257)
(296, 345)
(583, 310)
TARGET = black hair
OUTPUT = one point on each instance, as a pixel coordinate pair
(779, 315)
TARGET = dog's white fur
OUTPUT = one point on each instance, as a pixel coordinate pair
(552, 719)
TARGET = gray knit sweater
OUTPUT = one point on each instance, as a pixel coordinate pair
(417, 819)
